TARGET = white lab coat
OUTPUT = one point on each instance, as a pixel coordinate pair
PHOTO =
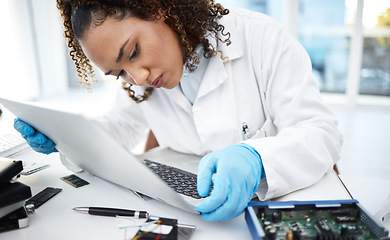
(268, 84)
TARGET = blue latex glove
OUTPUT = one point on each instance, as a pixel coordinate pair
(238, 170)
(35, 139)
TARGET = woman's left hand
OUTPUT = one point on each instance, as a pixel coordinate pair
(238, 170)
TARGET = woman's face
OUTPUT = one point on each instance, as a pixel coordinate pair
(144, 53)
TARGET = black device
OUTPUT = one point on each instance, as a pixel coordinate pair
(43, 196)
(14, 220)
(12, 196)
(9, 169)
(12, 191)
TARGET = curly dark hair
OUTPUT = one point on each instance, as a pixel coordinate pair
(190, 19)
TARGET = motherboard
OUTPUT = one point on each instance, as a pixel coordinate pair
(315, 220)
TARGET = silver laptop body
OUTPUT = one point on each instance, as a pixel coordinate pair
(95, 151)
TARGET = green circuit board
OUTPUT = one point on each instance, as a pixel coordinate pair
(303, 222)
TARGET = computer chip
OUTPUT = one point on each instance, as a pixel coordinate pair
(75, 181)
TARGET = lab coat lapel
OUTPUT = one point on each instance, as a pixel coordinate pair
(216, 72)
(214, 76)
(178, 97)
(215, 110)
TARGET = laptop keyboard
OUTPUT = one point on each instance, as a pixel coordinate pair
(181, 181)
(11, 144)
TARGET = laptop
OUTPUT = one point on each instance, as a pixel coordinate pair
(95, 151)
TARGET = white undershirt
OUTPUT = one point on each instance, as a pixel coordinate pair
(190, 81)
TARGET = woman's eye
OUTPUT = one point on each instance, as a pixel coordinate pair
(120, 74)
(135, 53)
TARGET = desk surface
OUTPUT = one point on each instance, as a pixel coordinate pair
(56, 219)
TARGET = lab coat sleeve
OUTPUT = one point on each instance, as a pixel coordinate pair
(306, 143)
(124, 121)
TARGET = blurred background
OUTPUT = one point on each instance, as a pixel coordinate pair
(348, 42)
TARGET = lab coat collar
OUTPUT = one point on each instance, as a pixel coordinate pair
(216, 72)
(234, 50)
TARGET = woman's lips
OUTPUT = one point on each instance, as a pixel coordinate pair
(158, 82)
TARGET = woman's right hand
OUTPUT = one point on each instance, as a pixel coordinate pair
(37, 141)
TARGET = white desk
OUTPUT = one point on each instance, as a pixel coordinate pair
(371, 193)
(56, 219)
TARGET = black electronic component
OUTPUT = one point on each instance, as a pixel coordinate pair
(296, 233)
(9, 169)
(266, 223)
(14, 220)
(343, 230)
(272, 234)
(325, 230)
(345, 219)
(353, 231)
(13, 192)
(43, 196)
(275, 217)
(75, 181)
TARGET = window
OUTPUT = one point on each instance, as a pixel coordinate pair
(375, 67)
(348, 42)
(326, 37)
(328, 41)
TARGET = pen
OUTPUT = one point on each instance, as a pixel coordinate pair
(245, 131)
(112, 212)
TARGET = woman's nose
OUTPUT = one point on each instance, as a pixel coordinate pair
(137, 76)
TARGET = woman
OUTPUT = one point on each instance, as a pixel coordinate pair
(233, 86)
